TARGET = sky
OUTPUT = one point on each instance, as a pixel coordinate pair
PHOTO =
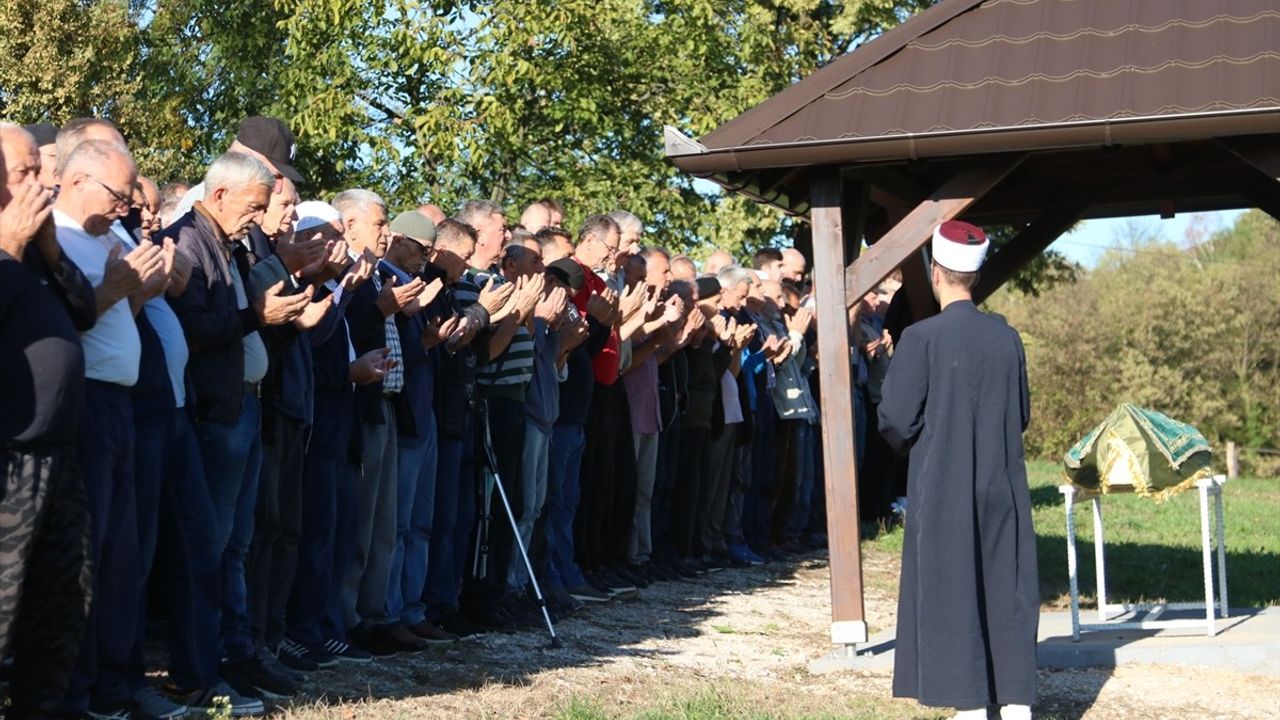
(1090, 239)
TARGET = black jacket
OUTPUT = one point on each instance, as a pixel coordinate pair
(214, 327)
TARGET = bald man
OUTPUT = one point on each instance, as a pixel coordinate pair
(716, 262)
(433, 213)
(535, 217)
(793, 265)
(44, 522)
(682, 268)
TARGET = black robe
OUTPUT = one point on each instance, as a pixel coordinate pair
(968, 607)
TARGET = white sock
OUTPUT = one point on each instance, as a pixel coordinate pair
(979, 714)
(1015, 712)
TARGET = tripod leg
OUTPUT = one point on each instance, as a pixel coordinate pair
(515, 530)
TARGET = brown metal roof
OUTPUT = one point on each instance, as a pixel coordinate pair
(976, 76)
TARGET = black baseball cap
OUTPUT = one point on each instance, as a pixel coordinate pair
(567, 271)
(270, 137)
(44, 133)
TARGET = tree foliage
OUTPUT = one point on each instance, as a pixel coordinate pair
(441, 100)
(1193, 333)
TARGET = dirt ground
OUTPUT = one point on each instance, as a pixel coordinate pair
(744, 639)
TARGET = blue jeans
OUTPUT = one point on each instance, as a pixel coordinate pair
(232, 456)
(563, 494)
(106, 447)
(806, 446)
(189, 531)
(533, 468)
(451, 524)
(415, 510)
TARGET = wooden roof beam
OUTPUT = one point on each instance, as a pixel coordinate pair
(955, 196)
(1025, 246)
(1262, 153)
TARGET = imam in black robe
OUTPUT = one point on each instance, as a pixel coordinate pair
(956, 399)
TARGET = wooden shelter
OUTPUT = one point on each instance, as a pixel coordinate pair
(1032, 114)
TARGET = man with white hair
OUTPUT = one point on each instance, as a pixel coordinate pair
(264, 138)
(221, 318)
(97, 179)
(536, 217)
(371, 317)
(44, 521)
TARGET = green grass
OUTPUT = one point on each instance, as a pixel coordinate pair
(1153, 549)
(725, 701)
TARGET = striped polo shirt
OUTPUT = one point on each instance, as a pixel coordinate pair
(507, 375)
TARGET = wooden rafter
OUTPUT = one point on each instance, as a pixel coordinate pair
(1029, 243)
(949, 201)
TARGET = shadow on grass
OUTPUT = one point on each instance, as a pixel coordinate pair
(1148, 571)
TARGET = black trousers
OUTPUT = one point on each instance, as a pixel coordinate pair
(45, 578)
(690, 486)
(506, 433)
(596, 509)
(272, 562)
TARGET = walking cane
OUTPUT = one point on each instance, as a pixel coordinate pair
(515, 530)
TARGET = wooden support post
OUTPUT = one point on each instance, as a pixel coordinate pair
(1262, 152)
(1233, 460)
(953, 198)
(833, 220)
(1029, 243)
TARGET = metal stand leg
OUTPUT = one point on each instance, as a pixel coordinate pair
(1100, 559)
(1223, 607)
(1069, 502)
(1208, 560)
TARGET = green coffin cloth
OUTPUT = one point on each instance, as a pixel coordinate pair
(1139, 450)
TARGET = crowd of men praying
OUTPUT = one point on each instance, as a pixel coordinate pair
(293, 428)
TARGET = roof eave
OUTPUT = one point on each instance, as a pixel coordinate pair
(694, 158)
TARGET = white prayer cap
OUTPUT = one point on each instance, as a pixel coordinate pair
(314, 213)
(959, 246)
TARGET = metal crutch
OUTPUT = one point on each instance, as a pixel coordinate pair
(515, 530)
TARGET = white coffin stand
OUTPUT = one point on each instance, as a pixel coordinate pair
(1147, 616)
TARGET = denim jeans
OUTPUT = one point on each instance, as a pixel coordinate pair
(452, 522)
(806, 476)
(533, 468)
(323, 470)
(232, 457)
(415, 510)
(189, 534)
(565, 461)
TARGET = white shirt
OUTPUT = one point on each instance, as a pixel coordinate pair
(112, 349)
(256, 362)
(729, 397)
(169, 329)
(189, 199)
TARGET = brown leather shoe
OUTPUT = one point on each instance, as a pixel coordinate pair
(432, 634)
(400, 636)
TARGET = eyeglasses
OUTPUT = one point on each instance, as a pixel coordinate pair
(122, 200)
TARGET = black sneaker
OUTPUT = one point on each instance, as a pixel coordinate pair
(614, 583)
(297, 657)
(222, 698)
(260, 674)
(626, 574)
(346, 653)
(596, 584)
(587, 594)
(455, 623)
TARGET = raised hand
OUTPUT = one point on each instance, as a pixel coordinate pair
(599, 307)
(493, 297)
(672, 309)
(529, 294)
(360, 272)
(743, 335)
(719, 326)
(123, 273)
(371, 366)
(314, 311)
(277, 309)
(394, 297)
(155, 284)
(800, 321)
(23, 217)
(298, 253)
(552, 305)
(633, 298)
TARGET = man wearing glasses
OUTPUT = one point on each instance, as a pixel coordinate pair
(97, 179)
